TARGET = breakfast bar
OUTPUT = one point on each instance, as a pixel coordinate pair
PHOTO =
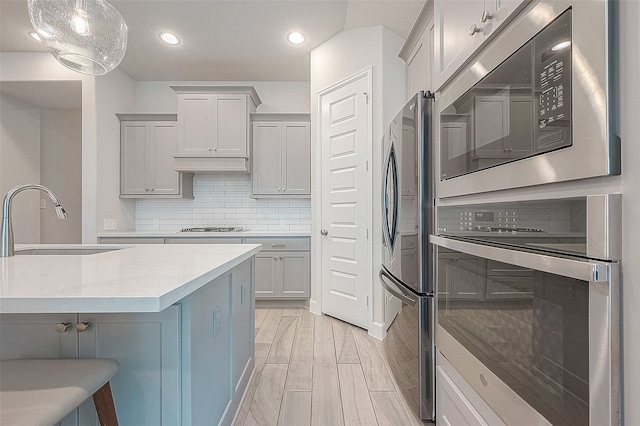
(178, 318)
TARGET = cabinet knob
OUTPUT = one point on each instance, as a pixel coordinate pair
(83, 326)
(63, 327)
(324, 232)
(210, 149)
(486, 15)
(153, 189)
(279, 189)
(146, 189)
(215, 149)
(474, 29)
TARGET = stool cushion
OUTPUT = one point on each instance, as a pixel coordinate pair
(44, 391)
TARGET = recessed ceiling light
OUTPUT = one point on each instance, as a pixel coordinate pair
(561, 45)
(34, 35)
(169, 38)
(296, 37)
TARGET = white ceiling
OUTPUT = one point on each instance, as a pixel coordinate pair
(238, 40)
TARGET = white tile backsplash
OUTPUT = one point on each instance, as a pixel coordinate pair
(224, 200)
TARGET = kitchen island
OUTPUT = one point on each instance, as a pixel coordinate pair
(178, 318)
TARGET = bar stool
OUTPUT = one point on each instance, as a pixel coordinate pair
(44, 391)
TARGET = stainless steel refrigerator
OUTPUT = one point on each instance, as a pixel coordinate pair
(407, 270)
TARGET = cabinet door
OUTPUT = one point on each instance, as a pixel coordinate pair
(266, 284)
(195, 125)
(453, 43)
(146, 389)
(164, 180)
(295, 274)
(296, 158)
(500, 10)
(230, 121)
(36, 336)
(133, 158)
(267, 161)
(420, 63)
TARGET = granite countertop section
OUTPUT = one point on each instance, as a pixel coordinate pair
(241, 234)
(130, 278)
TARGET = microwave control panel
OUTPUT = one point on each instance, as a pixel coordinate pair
(552, 50)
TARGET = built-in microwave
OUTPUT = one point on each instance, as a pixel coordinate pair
(535, 107)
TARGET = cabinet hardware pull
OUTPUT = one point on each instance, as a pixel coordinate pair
(278, 245)
(63, 327)
(486, 15)
(83, 326)
(324, 232)
(474, 29)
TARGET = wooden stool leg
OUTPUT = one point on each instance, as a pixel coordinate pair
(103, 400)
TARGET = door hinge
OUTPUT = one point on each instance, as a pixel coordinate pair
(366, 165)
(367, 300)
(367, 233)
(366, 97)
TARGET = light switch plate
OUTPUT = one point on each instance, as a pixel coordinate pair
(109, 224)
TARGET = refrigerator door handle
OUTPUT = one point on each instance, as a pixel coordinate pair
(395, 287)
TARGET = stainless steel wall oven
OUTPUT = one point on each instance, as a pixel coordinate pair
(528, 309)
(535, 101)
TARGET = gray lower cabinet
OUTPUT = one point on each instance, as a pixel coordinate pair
(188, 364)
(283, 267)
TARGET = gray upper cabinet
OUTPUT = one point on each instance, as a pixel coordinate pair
(281, 156)
(147, 146)
(461, 27)
(213, 127)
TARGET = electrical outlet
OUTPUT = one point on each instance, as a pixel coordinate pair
(217, 320)
(43, 203)
(109, 224)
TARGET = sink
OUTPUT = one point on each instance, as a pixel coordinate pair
(75, 251)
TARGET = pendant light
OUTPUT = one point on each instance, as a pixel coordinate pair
(88, 36)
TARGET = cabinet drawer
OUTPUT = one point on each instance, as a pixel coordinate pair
(219, 240)
(273, 244)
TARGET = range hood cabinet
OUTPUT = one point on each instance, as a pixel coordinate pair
(214, 128)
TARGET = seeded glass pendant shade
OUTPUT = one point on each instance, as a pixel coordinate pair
(88, 36)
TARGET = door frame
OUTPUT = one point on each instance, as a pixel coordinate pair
(315, 302)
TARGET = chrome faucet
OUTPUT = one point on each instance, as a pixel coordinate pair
(6, 233)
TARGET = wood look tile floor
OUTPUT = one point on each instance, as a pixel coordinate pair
(317, 370)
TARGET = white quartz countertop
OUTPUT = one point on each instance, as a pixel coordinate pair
(241, 234)
(134, 278)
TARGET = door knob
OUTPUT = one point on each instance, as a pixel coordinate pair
(324, 232)
(82, 326)
(62, 327)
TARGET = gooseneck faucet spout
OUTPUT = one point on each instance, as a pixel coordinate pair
(6, 233)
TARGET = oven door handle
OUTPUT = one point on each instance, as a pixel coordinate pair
(395, 287)
(585, 270)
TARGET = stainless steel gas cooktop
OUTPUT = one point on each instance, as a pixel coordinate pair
(214, 229)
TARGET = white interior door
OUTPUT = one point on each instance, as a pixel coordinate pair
(346, 207)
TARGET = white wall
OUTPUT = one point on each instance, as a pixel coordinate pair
(629, 77)
(115, 93)
(20, 164)
(346, 54)
(61, 171)
(43, 67)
